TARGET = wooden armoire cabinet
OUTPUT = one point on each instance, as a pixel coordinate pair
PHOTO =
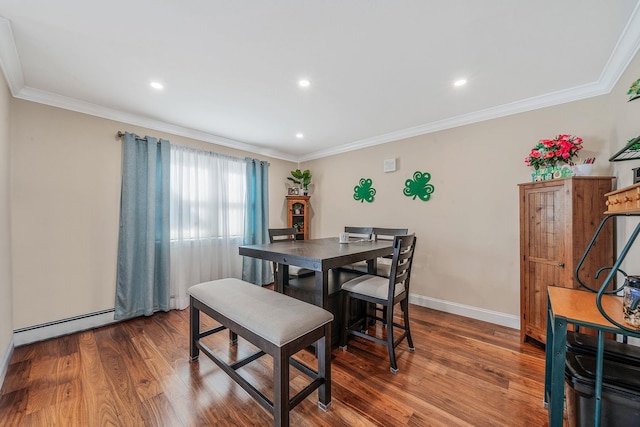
(557, 221)
(298, 215)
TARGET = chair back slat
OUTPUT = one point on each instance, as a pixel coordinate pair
(282, 234)
(403, 249)
(277, 235)
(388, 233)
(359, 232)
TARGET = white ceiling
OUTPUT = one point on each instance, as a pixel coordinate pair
(380, 70)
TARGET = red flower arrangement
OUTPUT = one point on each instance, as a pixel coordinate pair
(550, 152)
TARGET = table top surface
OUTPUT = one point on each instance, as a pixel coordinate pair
(318, 253)
(579, 307)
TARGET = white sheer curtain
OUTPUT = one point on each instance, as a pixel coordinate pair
(207, 218)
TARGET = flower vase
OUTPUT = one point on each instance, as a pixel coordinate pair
(551, 172)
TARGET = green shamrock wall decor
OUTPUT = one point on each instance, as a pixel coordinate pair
(418, 186)
(364, 191)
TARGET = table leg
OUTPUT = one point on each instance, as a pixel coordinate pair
(558, 351)
(599, 372)
(283, 278)
(322, 289)
(548, 355)
(372, 266)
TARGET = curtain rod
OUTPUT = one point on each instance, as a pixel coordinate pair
(120, 134)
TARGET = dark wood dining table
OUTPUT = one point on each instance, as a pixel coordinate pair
(319, 255)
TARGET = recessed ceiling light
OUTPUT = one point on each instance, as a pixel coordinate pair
(156, 85)
(299, 135)
(304, 83)
(460, 82)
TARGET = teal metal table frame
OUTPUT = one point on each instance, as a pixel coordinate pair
(598, 309)
(556, 348)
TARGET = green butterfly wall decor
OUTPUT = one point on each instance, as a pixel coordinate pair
(364, 191)
(418, 186)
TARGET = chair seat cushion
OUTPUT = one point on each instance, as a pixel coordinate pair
(278, 318)
(373, 286)
(383, 269)
(361, 266)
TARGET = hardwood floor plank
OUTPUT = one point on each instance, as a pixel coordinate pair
(463, 373)
(116, 362)
(17, 376)
(102, 406)
(13, 407)
(69, 405)
(161, 411)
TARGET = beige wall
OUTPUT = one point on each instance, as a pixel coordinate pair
(65, 205)
(468, 233)
(6, 307)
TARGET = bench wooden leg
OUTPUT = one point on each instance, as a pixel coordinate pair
(233, 337)
(281, 389)
(194, 332)
(324, 368)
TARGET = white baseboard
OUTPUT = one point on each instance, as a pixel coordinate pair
(6, 358)
(508, 320)
(96, 320)
(63, 327)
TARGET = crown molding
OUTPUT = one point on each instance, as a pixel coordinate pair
(529, 104)
(9, 59)
(12, 69)
(623, 53)
(72, 104)
(626, 48)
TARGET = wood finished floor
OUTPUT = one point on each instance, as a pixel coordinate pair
(463, 373)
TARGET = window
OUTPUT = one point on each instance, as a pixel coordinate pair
(207, 211)
(207, 195)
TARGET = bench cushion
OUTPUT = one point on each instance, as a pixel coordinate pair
(277, 318)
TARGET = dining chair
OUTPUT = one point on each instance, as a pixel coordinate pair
(386, 292)
(277, 235)
(383, 264)
(358, 233)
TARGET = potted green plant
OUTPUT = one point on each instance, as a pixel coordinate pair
(299, 177)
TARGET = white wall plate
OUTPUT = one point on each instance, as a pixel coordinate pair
(389, 165)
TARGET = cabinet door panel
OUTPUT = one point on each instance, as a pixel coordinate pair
(540, 275)
(586, 215)
(544, 254)
(545, 228)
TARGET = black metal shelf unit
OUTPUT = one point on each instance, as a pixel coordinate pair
(631, 151)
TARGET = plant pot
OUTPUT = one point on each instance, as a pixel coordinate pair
(552, 172)
(582, 169)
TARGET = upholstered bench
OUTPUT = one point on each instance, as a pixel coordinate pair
(278, 325)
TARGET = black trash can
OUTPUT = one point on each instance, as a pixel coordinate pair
(620, 392)
(618, 352)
